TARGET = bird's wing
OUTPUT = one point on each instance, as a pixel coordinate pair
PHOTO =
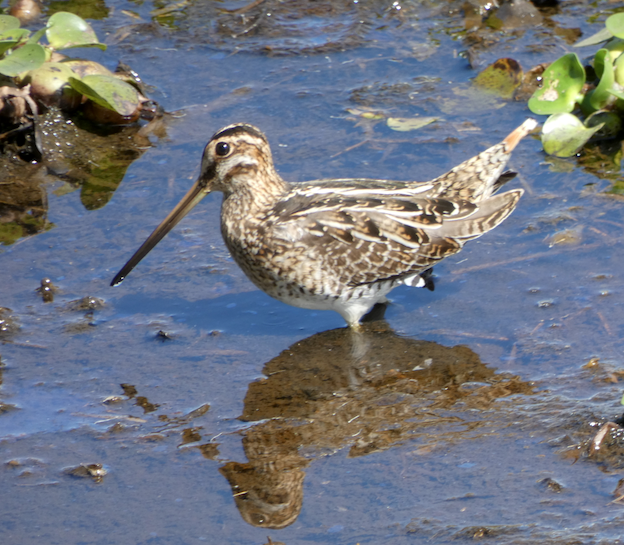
(370, 237)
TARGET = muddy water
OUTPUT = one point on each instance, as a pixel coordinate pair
(219, 415)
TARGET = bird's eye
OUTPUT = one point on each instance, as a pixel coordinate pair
(222, 149)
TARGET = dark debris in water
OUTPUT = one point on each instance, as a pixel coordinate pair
(284, 28)
(87, 303)
(164, 336)
(396, 94)
(210, 451)
(146, 405)
(601, 442)
(300, 27)
(131, 392)
(8, 323)
(96, 472)
(6, 407)
(514, 534)
(47, 290)
(551, 485)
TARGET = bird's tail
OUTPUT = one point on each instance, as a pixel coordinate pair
(487, 216)
(481, 176)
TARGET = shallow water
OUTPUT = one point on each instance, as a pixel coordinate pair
(223, 416)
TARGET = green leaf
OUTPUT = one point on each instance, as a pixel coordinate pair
(27, 57)
(5, 46)
(615, 47)
(83, 67)
(563, 135)
(619, 70)
(109, 92)
(37, 36)
(10, 38)
(604, 69)
(562, 83)
(617, 93)
(49, 84)
(13, 35)
(67, 30)
(615, 24)
(602, 35)
(500, 78)
(8, 22)
(404, 124)
(599, 62)
(610, 123)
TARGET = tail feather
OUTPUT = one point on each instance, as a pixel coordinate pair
(505, 177)
(478, 178)
(489, 214)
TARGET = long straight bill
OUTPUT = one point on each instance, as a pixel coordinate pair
(188, 202)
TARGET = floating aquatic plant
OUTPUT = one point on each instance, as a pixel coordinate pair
(58, 81)
(597, 94)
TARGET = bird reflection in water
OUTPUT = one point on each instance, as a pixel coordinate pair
(365, 390)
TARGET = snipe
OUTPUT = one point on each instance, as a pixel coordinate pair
(341, 244)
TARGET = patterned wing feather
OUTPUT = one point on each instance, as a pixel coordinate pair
(367, 240)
